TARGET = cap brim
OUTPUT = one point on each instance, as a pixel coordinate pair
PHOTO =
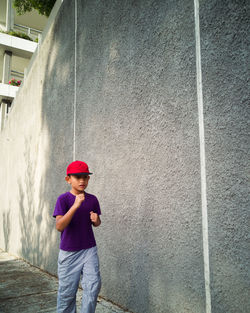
(79, 173)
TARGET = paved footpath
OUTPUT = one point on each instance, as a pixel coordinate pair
(27, 289)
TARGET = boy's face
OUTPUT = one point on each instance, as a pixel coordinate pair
(78, 182)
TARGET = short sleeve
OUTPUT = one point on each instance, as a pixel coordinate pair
(61, 207)
(97, 207)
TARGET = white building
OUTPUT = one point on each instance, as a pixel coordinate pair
(15, 52)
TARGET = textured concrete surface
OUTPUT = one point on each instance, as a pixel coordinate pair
(137, 128)
(138, 113)
(225, 47)
(24, 288)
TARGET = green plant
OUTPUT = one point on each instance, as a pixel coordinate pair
(43, 7)
(17, 34)
(20, 35)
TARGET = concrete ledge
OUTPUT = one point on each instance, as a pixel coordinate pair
(17, 45)
(8, 91)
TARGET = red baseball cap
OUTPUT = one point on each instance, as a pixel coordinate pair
(77, 168)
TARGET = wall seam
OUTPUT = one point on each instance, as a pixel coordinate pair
(202, 158)
(74, 104)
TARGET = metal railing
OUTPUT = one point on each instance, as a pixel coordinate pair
(32, 32)
(17, 74)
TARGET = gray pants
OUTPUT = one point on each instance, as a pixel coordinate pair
(70, 267)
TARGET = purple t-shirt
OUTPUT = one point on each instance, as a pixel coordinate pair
(78, 234)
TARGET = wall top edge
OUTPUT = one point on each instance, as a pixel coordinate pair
(49, 24)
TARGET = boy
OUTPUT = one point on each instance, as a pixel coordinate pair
(75, 212)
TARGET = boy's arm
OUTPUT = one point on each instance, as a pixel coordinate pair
(62, 221)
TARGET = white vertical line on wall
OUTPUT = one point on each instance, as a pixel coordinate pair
(74, 105)
(202, 159)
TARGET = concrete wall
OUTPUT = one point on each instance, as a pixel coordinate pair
(137, 126)
(226, 110)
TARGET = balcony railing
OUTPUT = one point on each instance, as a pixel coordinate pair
(17, 74)
(32, 32)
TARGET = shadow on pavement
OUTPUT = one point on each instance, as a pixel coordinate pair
(25, 288)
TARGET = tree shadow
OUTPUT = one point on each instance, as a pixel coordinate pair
(47, 155)
(34, 219)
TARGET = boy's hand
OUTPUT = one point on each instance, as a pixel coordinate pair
(93, 217)
(79, 199)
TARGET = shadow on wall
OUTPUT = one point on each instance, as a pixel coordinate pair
(35, 224)
(57, 96)
(6, 229)
(41, 184)
(30, 222)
